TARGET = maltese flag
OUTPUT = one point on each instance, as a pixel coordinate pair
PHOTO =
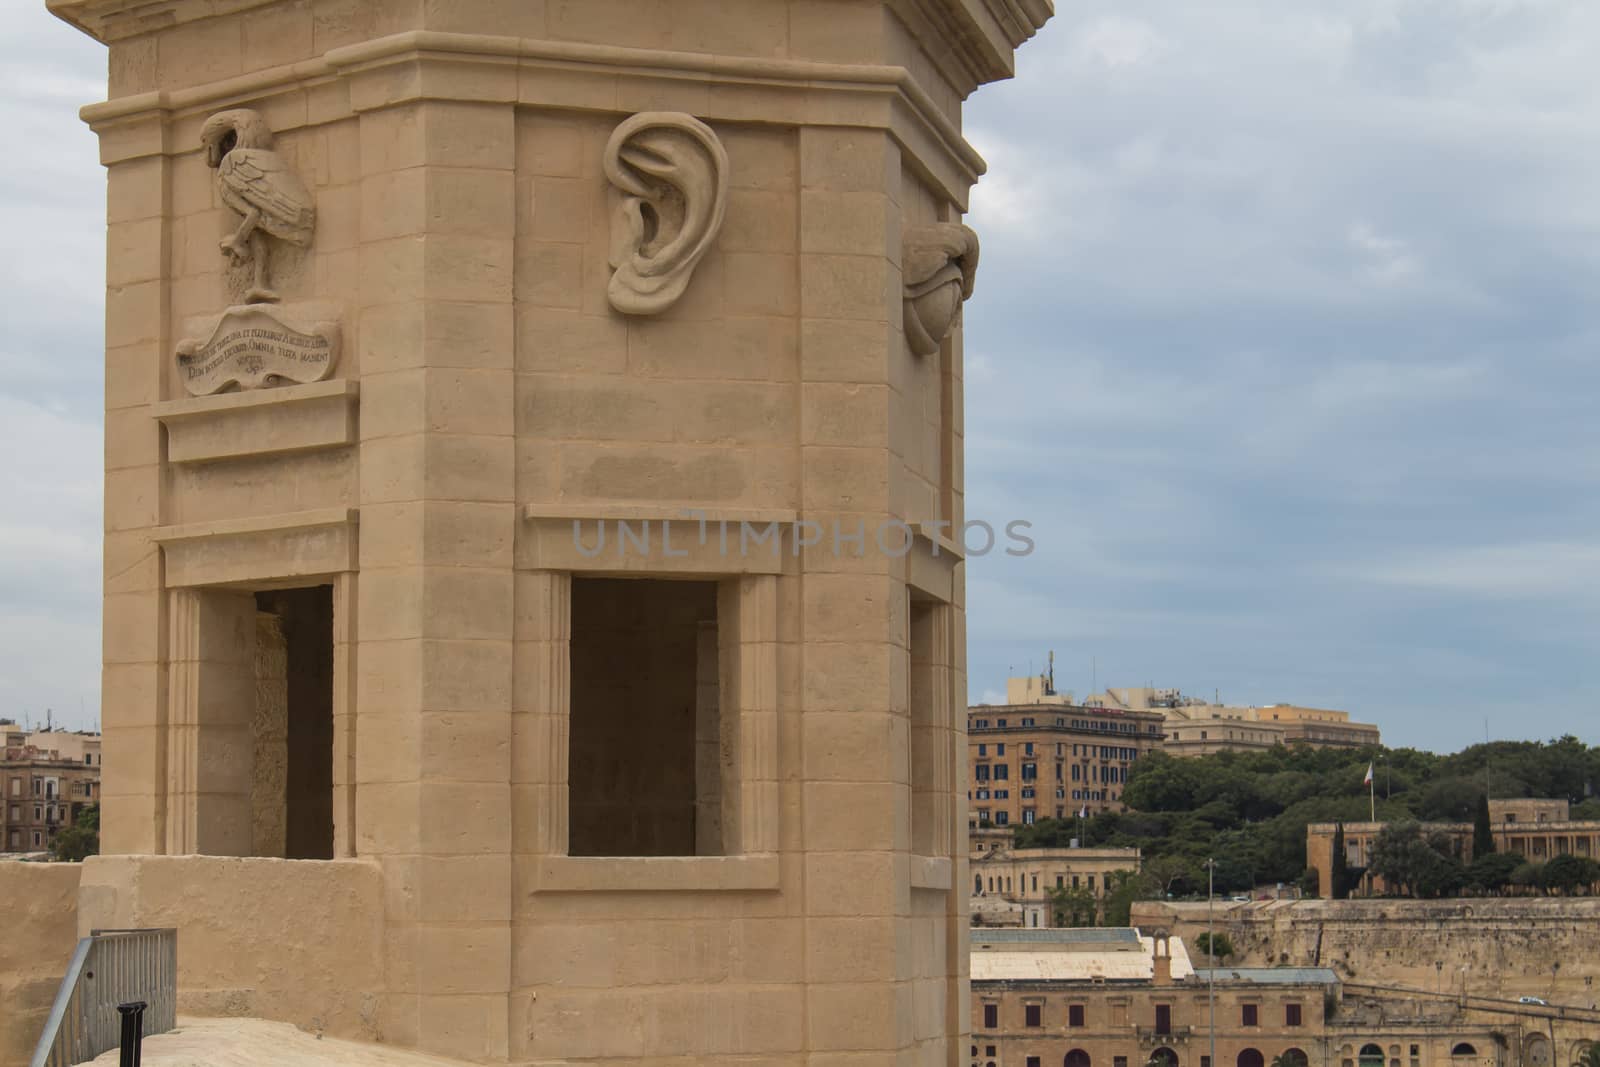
(1368, 779)
(1083, 812)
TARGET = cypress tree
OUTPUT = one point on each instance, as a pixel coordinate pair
(1341, 865)
(1482, 834)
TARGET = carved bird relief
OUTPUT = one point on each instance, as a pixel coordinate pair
(255, 182)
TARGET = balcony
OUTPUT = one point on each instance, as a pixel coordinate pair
(1152, 1038)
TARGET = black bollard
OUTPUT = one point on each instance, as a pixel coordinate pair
(132, 1032)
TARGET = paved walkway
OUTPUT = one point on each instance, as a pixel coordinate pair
(254, 1043)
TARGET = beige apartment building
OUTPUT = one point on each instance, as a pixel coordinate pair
(1050, 760)
(46, 779)
(1534, 828)
(1013, 886)
(1197, 728)
(1116, 998)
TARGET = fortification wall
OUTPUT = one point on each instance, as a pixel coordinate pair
(40, 902)
(1504, 947)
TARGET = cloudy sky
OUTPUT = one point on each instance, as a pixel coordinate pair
(1283, 343)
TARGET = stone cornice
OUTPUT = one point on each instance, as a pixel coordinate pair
(112, 20)
(421, 64)
(973, 41)
(987, 30)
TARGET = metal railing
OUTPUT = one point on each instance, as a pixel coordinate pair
(110, 968)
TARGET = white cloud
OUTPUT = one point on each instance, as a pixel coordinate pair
(1384, 260)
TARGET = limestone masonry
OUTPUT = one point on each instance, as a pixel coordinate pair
(402, 295)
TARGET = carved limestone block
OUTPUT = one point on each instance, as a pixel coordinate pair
(257, 346)
(940, 264)
(256, 183)
(669, 176)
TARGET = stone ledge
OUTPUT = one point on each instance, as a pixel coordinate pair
(261, 422)
(271, 549)
(932, 872)
(757, 872)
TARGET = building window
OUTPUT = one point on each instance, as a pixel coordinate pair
(1119, 1061)
(1027, 816)
(1027, 749)
(1251, 1015)
(1291, 1015)
(1030, 771)
(1033, 1061)
(991, 1016)
(1031, 1015)
(1002, 818)
(981, 772)
(1002, 772)
(1163, 1018)
(983, 750)
(1000, 750)
(36, 839)
(1075, 1014)
(646, 746)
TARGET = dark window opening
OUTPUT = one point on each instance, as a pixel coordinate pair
(646, 744)
(291, 784)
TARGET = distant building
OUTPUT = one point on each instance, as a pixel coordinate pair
(1052, 760)
(46, 778)
(1536, 829)
(1012, 886)
(1197, 728)
(1116, 998)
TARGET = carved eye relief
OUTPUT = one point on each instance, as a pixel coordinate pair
(669, 177)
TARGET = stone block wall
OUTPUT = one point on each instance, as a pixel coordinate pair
(1491, 947)
(40, 902)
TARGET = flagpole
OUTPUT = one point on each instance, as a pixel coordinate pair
(1372, 783)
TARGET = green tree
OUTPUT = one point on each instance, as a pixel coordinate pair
(1590, 1056)
(1123, 890)
(1491, 872)
(1567, 874)
(1528, 876)
(1219, 946)
(1073, 906)
(1482, 832)
(80, 840)
(1413, 865)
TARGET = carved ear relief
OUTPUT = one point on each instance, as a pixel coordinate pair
(940, 262)
(670, 177)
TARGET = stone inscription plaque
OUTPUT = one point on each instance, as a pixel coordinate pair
(257, 346)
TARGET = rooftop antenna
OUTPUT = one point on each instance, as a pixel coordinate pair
(1050, 682)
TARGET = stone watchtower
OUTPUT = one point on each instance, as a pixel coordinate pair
(532, 433)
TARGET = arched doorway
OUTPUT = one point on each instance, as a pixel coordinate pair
(1371, 1056)
(1076, 1058)
(1293, 1057)
(1464, 1048)
(1252, 1057)
(1163, 1057)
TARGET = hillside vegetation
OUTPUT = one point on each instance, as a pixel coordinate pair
(1250, 810)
